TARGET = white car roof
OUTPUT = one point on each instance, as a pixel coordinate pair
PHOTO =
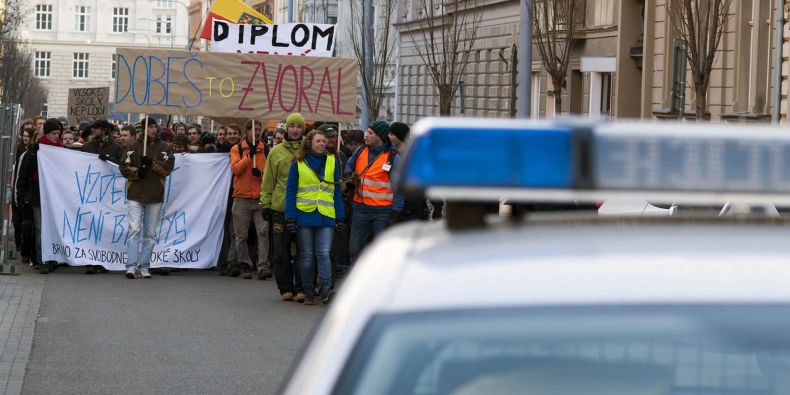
(425, 267)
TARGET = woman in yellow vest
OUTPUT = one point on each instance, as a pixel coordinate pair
(314, 207)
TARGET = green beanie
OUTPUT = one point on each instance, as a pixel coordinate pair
(295, 118)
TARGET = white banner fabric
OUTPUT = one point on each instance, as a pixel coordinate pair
(83, 210)
(301, 39)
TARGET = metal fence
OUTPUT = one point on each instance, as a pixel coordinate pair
(10, 118)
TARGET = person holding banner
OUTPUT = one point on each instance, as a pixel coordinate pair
(103, 145)
(146, 163)
(247, 162)
(27, 186)
(314, 204)
(275, 178)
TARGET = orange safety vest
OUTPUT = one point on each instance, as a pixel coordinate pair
(374, 182)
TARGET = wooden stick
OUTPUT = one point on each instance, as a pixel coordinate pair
(254, 146)
(145, 136)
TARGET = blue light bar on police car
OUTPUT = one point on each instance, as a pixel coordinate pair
(555, 161)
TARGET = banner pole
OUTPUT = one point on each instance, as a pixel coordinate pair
(145, 136)
(254, 146)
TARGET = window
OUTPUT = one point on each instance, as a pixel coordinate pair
(45, 110)
(41, 63)
(120, 20)
(43, 16)
(80, 65)
(114, 65)
(164, 24)
(165, 4)
(82, 15)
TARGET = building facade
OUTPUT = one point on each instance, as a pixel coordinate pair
(623, 64)
(74, 41)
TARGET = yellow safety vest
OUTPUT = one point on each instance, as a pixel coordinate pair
(313, 193)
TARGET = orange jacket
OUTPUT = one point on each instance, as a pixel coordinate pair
(374, 188)
(245, 184)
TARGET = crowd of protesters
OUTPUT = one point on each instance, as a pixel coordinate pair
(293, 192)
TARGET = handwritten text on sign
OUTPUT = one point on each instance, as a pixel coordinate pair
(303, 39)
(84, 216)
(241, 85)
(88, 104)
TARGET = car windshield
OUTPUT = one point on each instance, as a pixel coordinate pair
(592, 350)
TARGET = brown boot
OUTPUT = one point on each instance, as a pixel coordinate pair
(234, 270)
(264, 273)
(246, 271)
(223, 269)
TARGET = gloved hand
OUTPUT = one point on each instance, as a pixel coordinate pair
(290, 225)
(256, 172)
(252, 151)
(104, 157)
(267, 214)
(339, 226)
(145, 164)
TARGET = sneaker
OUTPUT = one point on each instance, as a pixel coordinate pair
(326, 297)
(299, 297)
(144, 273)
(234, 270)
(287, 297)
(90, 269)
(308, 300)
(264, 274)
(246, 271)
(130, 273)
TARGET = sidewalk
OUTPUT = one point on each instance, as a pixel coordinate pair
(20, 298)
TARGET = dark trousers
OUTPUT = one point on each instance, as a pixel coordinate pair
(286, 275)
(365, 226)
(24, 235)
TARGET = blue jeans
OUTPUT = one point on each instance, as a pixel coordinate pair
(365, 226)
(314, 247)
(143, 219)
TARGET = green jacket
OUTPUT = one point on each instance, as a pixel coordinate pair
(275, 175)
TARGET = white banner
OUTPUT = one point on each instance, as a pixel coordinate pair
(83, 210)
(302, 39)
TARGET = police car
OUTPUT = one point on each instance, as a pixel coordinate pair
(569, 303)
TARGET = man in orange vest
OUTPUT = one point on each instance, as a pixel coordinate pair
(375, 205)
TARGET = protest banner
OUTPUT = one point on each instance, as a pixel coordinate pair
(235, 85)
(88, 104)
(303, 39)
(231, 11)
(83, 210)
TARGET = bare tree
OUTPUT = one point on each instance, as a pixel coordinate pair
(553, 30)
(700, 25)
(383, 49)
(449, 31)
(17, 81)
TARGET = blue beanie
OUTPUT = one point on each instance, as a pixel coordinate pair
(381, 128)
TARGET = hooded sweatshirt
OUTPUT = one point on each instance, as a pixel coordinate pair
(150, 188)
(245, 184)
(275, 176)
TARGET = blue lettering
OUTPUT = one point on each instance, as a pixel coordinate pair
(147, 83)
(122, 59)
(197, 89)
(118, 229)
(168, 82)
(158, 79)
